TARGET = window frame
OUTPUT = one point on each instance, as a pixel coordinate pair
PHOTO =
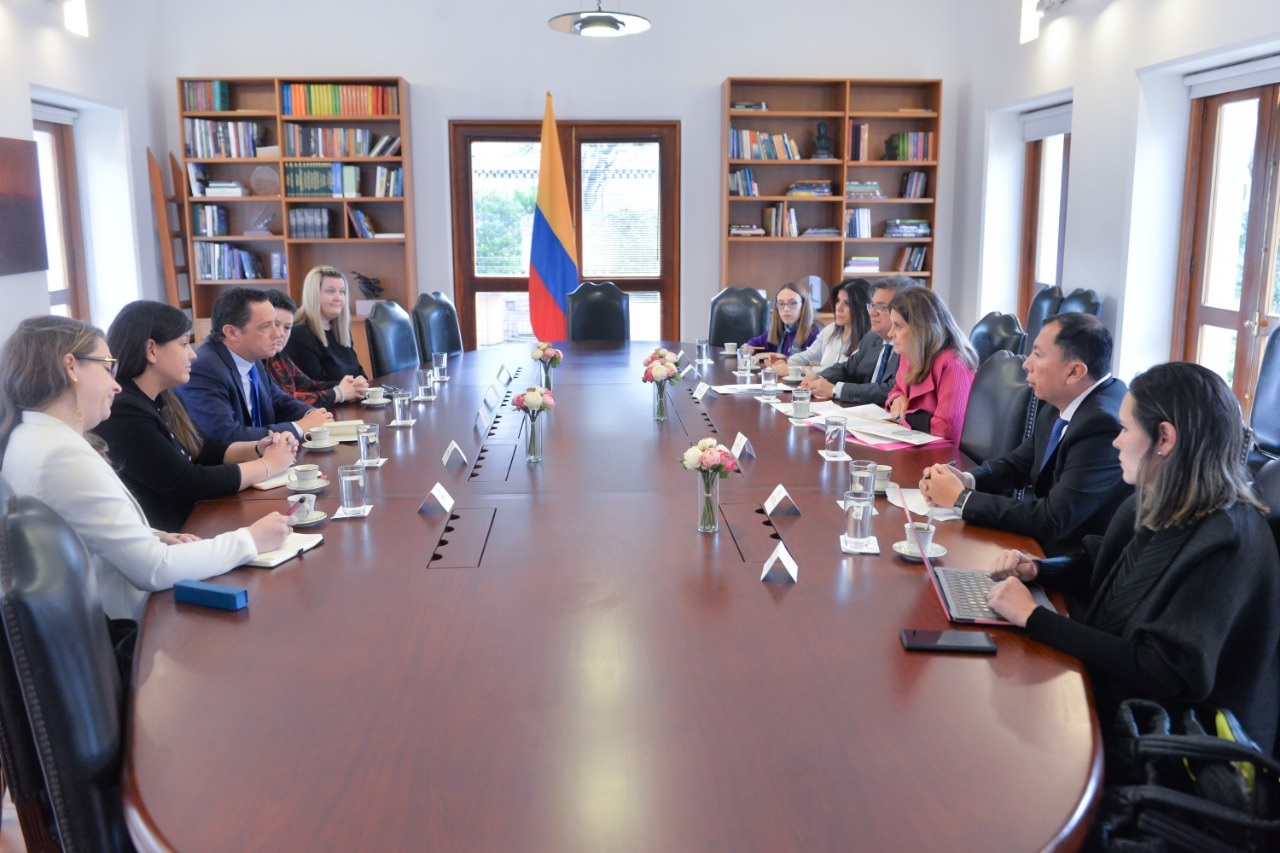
(76, 294)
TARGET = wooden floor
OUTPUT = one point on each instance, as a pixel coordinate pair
(10, 834)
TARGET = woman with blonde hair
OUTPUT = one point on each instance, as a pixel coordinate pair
(320, 344)
(791, 325)
(57, 382)
(936, 365)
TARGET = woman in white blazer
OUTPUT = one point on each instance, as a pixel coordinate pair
(837, 340)
(57, 381)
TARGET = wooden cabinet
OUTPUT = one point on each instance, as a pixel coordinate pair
(881, 170)
(279, 146)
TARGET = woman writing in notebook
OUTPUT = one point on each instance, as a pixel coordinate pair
(936, 365)
(160, 453)
(1177, 601)
(57, 382)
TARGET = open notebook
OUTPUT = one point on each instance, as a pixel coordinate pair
(293, 546)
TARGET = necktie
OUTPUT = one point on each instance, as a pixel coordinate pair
(878, 376)
(1054, 437)
(255, 406)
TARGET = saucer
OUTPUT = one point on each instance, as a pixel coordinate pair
(790, 381)
(315, 518)
(294, 487)
(935, 551)
(378, 405)
(321, 445)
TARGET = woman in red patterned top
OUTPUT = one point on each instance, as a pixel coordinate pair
(292, 380)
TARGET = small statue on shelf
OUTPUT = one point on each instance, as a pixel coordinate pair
(370, 287)
(823, 144)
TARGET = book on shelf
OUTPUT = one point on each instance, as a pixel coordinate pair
(907, 228)
(226, 262)
(743, 183)
(862, 264)
(910, 259)
(746, 231)
(914, 145)
(206, 95)
(209, 220)
(339, 99)
(759, 106)
(859, 144)
(761, 145)
(857, 222)
(809, 188)
(913, 185)
(198, 175)
(225, 189)
(388, 182)
(309, 223)
(389, 235)
(821, 231)
(215, 138)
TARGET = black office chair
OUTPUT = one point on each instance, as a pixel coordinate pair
(1081, 301)
(995, 332)
(65, 670)
(995, 420)
(599, 312)
(1266, 485)
(1262, 417)
(1043, 306)
(435, 319)
(738, 314)
(392, 343)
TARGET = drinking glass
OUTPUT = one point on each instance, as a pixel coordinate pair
(862, 476)
(857, 517)
(440, 364)
(800, 402)
(833, 441)
(769, 382)
(368, 437)
(400, 404)
(351, 479)
(426, 384)
(704, 350)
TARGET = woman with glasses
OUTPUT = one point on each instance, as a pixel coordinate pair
(936, 365)
(791, 326)
(1176, 602)
(320, 344)
(160, 453)
(837, 341)
(57, 382)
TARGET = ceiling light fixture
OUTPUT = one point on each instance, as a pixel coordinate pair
(599, 24)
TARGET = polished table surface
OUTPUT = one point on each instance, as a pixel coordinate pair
(564, 663)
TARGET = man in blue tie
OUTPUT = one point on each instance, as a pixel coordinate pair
(867, 375)
(230, 395)
(1069, 463)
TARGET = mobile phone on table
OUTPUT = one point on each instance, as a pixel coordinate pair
(977, 642)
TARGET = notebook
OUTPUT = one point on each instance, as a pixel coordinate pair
(963, 592)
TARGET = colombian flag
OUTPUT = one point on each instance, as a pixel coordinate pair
(553, 269)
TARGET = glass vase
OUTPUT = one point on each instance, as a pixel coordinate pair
(533, 444)
(545, 366)
(708, 501)
(660, 400)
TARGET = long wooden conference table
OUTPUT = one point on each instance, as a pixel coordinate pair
(564, 663)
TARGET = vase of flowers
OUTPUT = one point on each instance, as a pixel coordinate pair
(547, 357)
(713, 462)
(661, 367)
(533, 402)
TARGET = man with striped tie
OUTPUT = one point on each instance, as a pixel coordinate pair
(1069, 463)
(867, 375)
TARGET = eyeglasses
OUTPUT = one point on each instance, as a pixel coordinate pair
(113, 364)
(794, 303)
(877, 307)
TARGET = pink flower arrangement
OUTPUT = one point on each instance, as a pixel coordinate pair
(661, 366)
(709, 456)
(547, 353)
(534, 400)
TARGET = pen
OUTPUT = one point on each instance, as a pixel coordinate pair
(293, 509)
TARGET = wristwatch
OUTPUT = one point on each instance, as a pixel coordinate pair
(961, 499)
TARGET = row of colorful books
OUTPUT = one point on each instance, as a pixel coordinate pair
(912, 145)
(743, 182)
(809, 188)
(339, 99)
(333, 180)
(759, 145)
(778, 221)
(862, 189)
(309, 223)
(857, 222)
(206, 95)
(859, 264)
(204, 137)
(910, 259)
(907, 228)
(388, 182)
(209, 220)
(913, 185)
(859, 144)
(226, 262)
(310, 141)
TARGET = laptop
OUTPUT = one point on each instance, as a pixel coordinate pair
(963, 592)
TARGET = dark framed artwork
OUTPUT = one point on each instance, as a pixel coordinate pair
(22, 244)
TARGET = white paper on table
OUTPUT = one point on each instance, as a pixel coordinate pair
(745, 388)
(700, 391)
(871, 438)
(788, 562)
(919, 506)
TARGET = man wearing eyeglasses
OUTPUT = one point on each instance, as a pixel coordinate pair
(867, 375)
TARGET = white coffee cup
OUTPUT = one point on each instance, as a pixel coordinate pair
(795, 371)
(924, 531)
(374, 394)
(730, 348)
(304, 475)
(318, 435)
(883, 473)
(308, 506)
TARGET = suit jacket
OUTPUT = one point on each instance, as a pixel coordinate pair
(856, 371)
(215, 398)
(1205, 635)
(1075, 494)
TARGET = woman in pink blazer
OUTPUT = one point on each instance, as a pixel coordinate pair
(936, 365)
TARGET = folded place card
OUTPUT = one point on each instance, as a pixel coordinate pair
(450, 450)
(343, 430)
(482, 420)
(504, 376)
(741, 446)
(686, 370)
(778, 495)
(781, 554)
(440, 496)
(700, 391)
(491, 396)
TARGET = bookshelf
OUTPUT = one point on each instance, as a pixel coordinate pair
(321, 173)
(778, 225)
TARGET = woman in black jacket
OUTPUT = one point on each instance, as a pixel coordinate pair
(1179, 601)
(321, 340)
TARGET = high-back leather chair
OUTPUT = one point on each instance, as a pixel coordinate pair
(738, 314)
(66, 672)
(1266, 484)
(997, 412)
(1081, 301)
(1266, 403)
(392, 343)
(995, 332)
(435, 319)
(599, 312)
(1043, 306)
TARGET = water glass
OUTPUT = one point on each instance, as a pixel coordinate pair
(704, 350)
(862, 477)
(440, 364)
(426, 384)
(800, 402)
(351, 479)
(769, 382)
(400, 404)
(833, 441)
(857, 517)
(368, 437)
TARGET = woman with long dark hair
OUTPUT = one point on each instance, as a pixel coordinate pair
(936, 365)
(1177, 602)
(162, 456)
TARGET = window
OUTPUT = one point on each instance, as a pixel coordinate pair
(623, 186)
(1229, 275)
(1047, 134)
(55, 148)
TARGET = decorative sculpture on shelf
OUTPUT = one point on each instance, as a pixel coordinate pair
(823, 144)
(370, 287)
(261, 223)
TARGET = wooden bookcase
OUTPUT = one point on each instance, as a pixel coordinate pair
(795, 107)
(351, 112)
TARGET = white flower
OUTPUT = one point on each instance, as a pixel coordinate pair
(691, 457)
(532, 400)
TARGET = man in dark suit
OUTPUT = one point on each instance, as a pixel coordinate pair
(230, 395)
(867, 375)
(1069, 462)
